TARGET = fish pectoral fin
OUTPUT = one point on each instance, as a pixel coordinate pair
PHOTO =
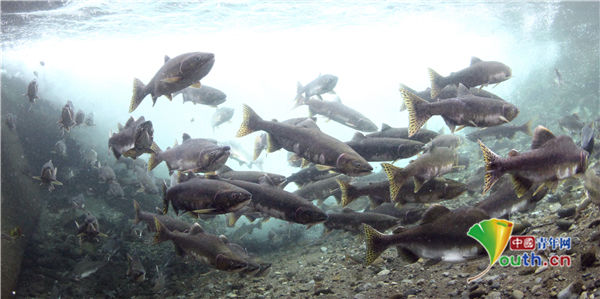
(473, 124)
(102, 235)
(56, 183)
(196, 85)
(502, 118)
(169, 96)
(171, 79)
(456, 129)
(203, 211)
(36, 178)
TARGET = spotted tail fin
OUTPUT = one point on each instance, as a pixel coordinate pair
(375, 242)
(492, 173)
(417, 111)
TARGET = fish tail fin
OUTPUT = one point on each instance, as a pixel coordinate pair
(136, 207)
(155, 148)
(154, 159)
(165, 200)
(417, 111)
(492, 173)
(139, 93)
(300, 100)
(348, 192)
(526, 128)
(436, 85)
(162, 233)
(375, 242)
(249, 123)
(397, 177)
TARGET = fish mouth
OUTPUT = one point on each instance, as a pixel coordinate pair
(240, 205)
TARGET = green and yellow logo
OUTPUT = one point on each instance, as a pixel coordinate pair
(493, 235)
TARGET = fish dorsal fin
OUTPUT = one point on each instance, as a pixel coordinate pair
(185, 137)
(475, 60)
(385, 127)
(462, 91)
(196, 229)
(347, 210)
(167, 58)
(176, 143)
(120, 127)
(358, 136)
(513, 152)
(129, 121)
(541, 135)
(433, 213)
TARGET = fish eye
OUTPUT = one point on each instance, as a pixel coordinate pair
(356, 164)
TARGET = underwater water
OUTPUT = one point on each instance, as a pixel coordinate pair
(83, 239)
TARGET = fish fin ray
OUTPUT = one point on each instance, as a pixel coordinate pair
(417, 115)
(374, 241)
(139, 94)
(492, 174)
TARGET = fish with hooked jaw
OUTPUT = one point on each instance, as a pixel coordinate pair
(550, 160)
(313, 145)
(464, 110)
(194, 154)
(277, 203)
(441, 235)
(206, 248)
(204, 196)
